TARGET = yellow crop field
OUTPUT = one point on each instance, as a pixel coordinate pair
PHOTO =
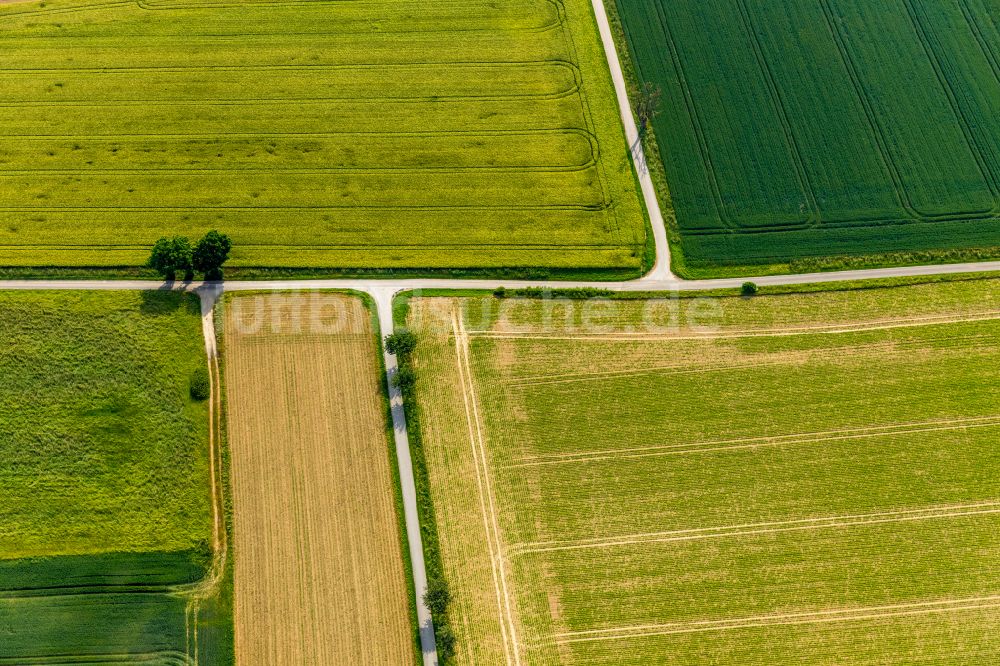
(319, 573)
(799, 478)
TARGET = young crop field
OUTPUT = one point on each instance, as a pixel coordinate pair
(107, 534)
(805, 478)
(800, 130)
(387, 134)
(319, 571)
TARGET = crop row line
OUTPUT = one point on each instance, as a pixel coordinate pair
(791, 141)
(888, 428)
(292, 101)
(758, 529)
(878, 132)
(83, 171)
(987, 342)
(352, 246)
(487, 501)
(788, 619)
(108, 209)
(387, 133)
(984, 44)
(81, 590)
(256, 135)
(697, 123)
(923, 36)
(67, 10)
(152, 6)
(409, 64)
(161, 658)
(873, 221)
(711, 447)
(319, 35)
(459, 5)
(818, 329)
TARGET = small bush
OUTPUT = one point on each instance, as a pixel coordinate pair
(201, 386)
(500, 292)
(749, 289)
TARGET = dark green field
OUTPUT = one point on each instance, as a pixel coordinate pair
(105, 551)
(803, 129)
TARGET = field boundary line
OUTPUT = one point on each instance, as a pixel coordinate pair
(209, 585)
(879, 325)
(797, 525)
(927, 44)
(485, 495)
(173, 657)
(792, 141)
(897, 346)
(787, 619)
(757, 442)
(879, 133)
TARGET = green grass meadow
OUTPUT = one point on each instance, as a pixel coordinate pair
(105, 477)
(807, 133)
(399, 135)
(798, 478)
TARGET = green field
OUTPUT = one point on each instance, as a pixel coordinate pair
(329, 135)
(812, 478)
(801, 130)
(104, 466)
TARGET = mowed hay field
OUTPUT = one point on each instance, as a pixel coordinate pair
(338, 135)
(319, 572)
(796, 130)
(812, 478)
(104, 466)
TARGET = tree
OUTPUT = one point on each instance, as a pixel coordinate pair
(444, 637)
(405, 378)
(401, 342)
(437, 597)
(210, 253)
(647, 105)
(170, 256)
(749, 289)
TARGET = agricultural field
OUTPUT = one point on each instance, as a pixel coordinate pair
(319, 571)
(799, 478)
(796, 131)
(107, 548)
(391, 134)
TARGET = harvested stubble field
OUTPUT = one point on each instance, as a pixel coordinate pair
(104, 466)
(813, 479)
(382, 134)
(319, 572)
(799, 129)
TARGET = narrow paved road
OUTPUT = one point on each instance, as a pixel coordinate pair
(383, 292)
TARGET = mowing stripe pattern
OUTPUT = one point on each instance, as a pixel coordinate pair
(317, 134)
(813, 480)
(319, 572)
(816, 128)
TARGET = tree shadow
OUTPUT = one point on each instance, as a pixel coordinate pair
(165, 300)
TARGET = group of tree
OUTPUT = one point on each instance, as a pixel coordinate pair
(173, 256)
(401, 344)
(438, 598)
